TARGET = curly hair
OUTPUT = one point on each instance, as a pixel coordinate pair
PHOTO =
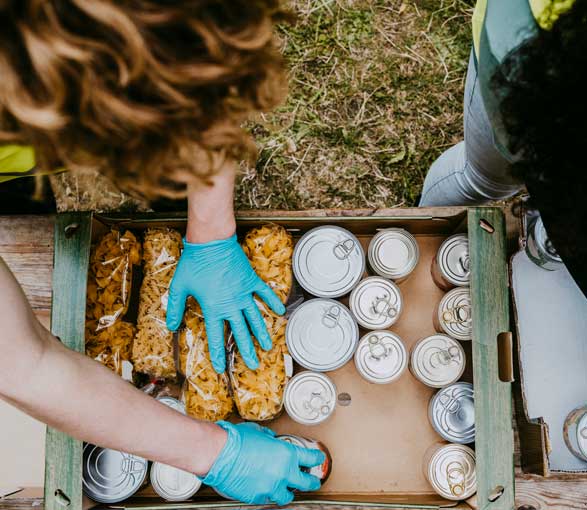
(542, 91)
(151, 93)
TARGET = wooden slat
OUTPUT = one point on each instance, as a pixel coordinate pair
(63, 454)
(493, 409)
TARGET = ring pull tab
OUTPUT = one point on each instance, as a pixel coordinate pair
(130, 465)
(383, 306)
(343, 250)
(583, 432)
(455, 475)
(377, 349)
(317, 404)
(465, 262)
(445, 357)
(331, 317)
(451, 404)
(460, 314)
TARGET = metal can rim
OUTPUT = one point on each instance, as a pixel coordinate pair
(355, 308)
(287, 397)
(442, 256)
(154, 475)
(375, 244)
(432, 475)
(432, 416)
(453, 332)
(397, 373)
(416, 368)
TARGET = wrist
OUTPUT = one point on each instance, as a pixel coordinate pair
(213, 443)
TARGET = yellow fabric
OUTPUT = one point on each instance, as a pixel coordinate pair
(14, 160)
(478, 18)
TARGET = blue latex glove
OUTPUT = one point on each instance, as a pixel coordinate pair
(220, 277)
(255, 468)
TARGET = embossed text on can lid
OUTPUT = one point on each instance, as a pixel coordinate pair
(173, 484)
(110, 476)
(321, 335)
(455, 313)
(376, 303)
(453, 260)
(310, 398)
(381, 357)
(452, 413)
(328, 261)
(437, 361)
(393, 253)
(451, 472)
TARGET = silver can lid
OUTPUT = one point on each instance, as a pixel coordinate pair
(455, 314)
(321, 335)
(376, 303)
(173, 484)
(393, 253)
(328, 261)
(451, 472)
(544, 243)
(110, 476)
(453, 260)
(295, 440)
(173, 403)
(437, 361)
(452, 413)
(582, 435)
(310, 398)
(381, 357)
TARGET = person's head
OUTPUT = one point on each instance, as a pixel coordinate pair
(151, 93)
(542, 88)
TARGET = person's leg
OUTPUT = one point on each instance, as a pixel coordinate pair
(473, 171)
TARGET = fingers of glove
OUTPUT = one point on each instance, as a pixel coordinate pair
(175, 305)
(215, 334)
(282, 497)
(258, 327)
(257, 427)
(303, 481)
(244, 341)
(266, 294)
(309, 458)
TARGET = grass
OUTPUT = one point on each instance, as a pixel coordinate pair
(375, 96)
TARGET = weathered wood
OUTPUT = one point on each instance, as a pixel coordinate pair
(63, 464)
(533, 491)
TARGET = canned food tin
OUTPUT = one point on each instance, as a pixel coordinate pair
(393, 253)
(539, 247)
(310, 398)
(173, 484)
(453, 315)
(328, 261)
(173, 403)
(376, 303)
(381, 357)
(322, 472)
(450, 469)
(321, 335)
(437, 361)
(575, 432)
(451, 266)
(452, 413)
(110, 476)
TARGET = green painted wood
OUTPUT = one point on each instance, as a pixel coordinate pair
(63, 454)
(493, 399)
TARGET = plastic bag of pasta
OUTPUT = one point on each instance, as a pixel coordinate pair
(205, 393)
(152, 351)
(258, 394)
(108, 338)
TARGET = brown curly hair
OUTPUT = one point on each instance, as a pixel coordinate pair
(151, 93)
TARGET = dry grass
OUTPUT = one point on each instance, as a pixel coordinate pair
(375, 96)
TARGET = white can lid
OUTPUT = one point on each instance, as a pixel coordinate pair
(452, 413)
(173, 484)
(393, 253)
(321, 335)
(376, 303)
(328, 261)
(437, 361)
(453, 260)
(310, 398)
(381, 357)
(173, 403)
(455, 314)
(452, 472)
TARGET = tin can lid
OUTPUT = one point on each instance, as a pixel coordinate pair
(376, 303)
(173, 484)
(328, 261)
(582, 435)
(110, 476)
(451, 472)
(173, 403)
(381, 357)
(393, 253)
(544, 243)
(291, 439)
(452, 413)
(438, 361)
(455, 313)
(321, 335)
(453, 260)
(310, 398)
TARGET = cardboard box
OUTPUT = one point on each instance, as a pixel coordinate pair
(379, 440)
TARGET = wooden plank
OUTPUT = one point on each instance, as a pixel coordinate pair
(493, 409)
(63, 454)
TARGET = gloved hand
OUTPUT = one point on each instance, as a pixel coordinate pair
(220, 277)
(255, 468)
